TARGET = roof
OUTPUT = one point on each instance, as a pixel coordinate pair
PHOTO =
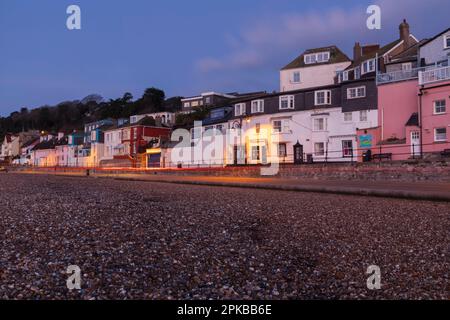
(44, 145)
(30, 142)
(336, 56)
(413, 120)
(380, 52)
(63, 141)
(408, 55)
(436, 36)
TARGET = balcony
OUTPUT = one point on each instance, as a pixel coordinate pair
(396, 76)
(434, 75)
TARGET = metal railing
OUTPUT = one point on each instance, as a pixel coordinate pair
(396, 76)
(434, 75)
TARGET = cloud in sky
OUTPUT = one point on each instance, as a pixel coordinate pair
(261, 44)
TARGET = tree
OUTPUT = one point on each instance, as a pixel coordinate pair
(154, 98)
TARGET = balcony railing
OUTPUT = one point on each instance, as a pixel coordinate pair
(397, 76)
(434, 75)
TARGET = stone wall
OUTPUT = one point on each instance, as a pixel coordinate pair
(384, 171)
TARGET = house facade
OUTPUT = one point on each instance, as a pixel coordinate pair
(314, 68)
(413, 104)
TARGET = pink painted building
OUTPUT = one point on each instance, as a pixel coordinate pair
(413, 104)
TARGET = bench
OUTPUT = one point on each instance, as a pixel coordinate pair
(445, 153)
(381, 156)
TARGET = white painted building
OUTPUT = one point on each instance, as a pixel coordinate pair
(166, 118)
(314, 68)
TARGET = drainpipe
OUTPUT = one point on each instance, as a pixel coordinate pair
(420, 121)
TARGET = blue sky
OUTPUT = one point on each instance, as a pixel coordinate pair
(184, 47)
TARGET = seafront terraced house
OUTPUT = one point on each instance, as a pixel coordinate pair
(414, 100)
(324, 99)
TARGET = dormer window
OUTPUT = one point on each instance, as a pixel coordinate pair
(287, 102)
(317, 57)
(239, 109)
(368, 66)
(322, 97)
(357, 73)
(447, 41)
(257, 106)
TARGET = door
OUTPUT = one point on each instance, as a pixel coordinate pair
(415, 143)
(235, 155)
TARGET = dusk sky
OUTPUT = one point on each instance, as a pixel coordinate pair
(183, 47)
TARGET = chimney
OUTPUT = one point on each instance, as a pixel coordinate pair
(404, 34)
(357, 51)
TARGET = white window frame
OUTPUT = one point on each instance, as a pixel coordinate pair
(257, 106)
(349, 149)
(435, 107)
(187, 105)
(436, 134)
(284, 153)
(296, 74)
(317, 127)
(240, 109)
(357, 73)
(345, 75)
(327, 97)
(367, 64)
(363, 115)
(407, 66)
(319, 57)
(290, 102)
(446, 41)
(356, 92)
(347, 118)
(276, 128)
(322, 153)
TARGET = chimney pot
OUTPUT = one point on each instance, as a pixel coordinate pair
(404, 34)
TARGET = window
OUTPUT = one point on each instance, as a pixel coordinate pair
(319, 124)
(208, 100)
(368, 66)
(286, 102)
(239, 109)
(440, 134)
(187, 104)
(257, 106)
(363, 115)
(277, 126)
(319, 149)
(447, 41)
(348, 116)
(439, 107)
(322, 97)
(282, 150)
(258, 128)
(255, 153)
(317, 57)
(347, 148)
(407, 66)
(296, 77)
(357, 92)
(345, 76)
(357, 72)
(194, 103)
